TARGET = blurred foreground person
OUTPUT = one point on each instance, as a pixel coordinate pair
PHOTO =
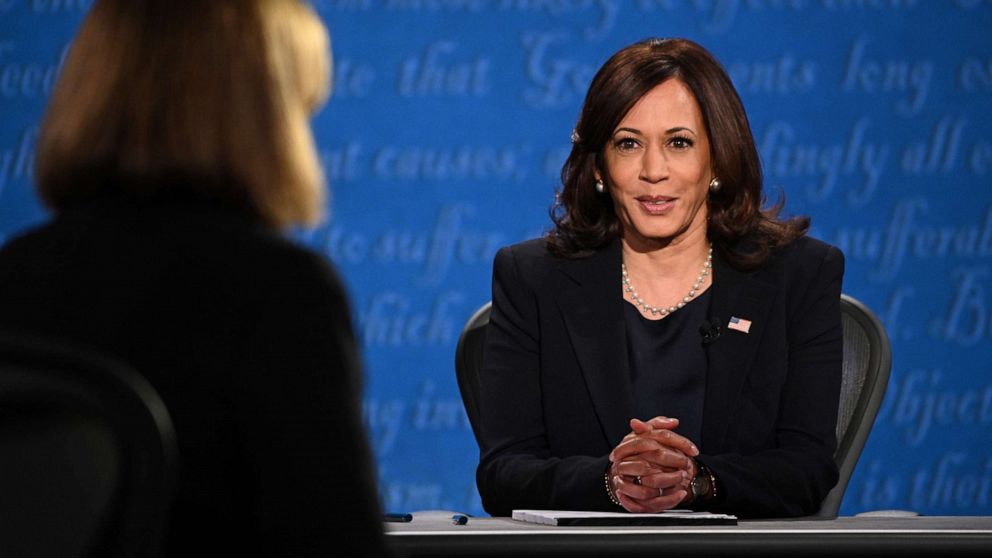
(175, 150)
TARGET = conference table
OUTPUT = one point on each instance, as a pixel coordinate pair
(434, 534)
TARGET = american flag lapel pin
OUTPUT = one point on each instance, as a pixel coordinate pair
(739, 324)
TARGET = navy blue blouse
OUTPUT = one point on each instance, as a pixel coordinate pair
(668, 365)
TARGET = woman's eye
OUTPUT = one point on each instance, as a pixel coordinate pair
(679, 142)
(626, 144)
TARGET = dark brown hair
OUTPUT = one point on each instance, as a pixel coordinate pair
(739, 228)
(221, 91)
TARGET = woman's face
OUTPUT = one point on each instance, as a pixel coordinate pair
(658, 162)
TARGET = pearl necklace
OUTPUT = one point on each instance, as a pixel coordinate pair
(645, 307)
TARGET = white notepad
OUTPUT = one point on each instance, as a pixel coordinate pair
(564, 518)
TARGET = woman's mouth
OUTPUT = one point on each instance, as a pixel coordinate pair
(656, 205)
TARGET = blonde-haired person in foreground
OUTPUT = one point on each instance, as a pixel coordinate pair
(175, 148)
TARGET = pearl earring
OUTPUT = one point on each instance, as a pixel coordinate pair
(715, 185)
(600, 187)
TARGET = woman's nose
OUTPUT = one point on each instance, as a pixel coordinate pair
(654, 165)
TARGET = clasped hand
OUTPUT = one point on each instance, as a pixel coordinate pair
(651, 468)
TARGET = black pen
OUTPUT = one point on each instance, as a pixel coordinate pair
(397, 518)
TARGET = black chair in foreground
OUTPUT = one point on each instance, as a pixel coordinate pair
(87, 454)
(866, 365)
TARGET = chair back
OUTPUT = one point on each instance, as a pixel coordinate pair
(867, 361)
(468, 364)
(866, 366)
(87, 454)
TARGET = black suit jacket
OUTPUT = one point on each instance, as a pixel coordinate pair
(248, 340)
(556, 395)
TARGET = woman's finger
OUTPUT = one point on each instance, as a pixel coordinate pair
(627, 486)
(652, 451)
(667, 423)
(650, 474)
(638, 426)
(663, 480)
(633, 467)
(672, 439)
(659, 502)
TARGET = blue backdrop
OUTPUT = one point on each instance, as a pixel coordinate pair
(445, 135)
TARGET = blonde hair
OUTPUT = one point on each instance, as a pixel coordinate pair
(220, 91)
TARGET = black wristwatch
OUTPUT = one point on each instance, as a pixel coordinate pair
(702, 484)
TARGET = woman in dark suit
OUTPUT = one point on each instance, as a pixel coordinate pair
(670, 343)
(174, 151)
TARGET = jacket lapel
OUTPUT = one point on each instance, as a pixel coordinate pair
(592, 310)
(730, 357)
(593, 314)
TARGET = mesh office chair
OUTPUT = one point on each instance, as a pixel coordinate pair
(87, 454)
(468, 363)
(866, 364)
